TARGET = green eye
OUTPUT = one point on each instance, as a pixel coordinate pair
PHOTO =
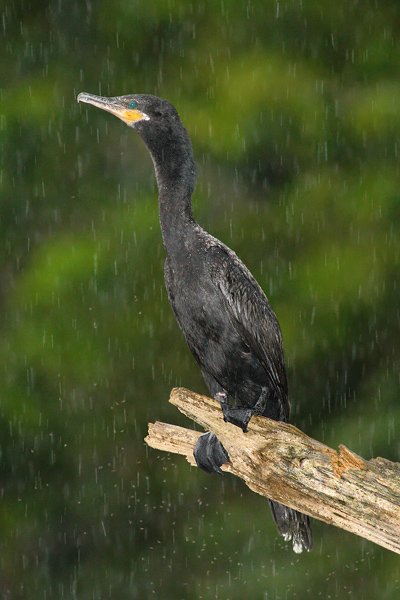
(133, 104)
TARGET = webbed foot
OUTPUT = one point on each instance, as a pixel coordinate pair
(237, 416)
(240, 416)
(209, 453)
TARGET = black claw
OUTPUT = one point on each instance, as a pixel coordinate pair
(237, 416)
(209, 453)
(241, 416)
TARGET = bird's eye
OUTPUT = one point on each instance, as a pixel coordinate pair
(133, 104)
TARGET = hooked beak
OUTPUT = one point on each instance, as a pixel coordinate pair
(114, 106)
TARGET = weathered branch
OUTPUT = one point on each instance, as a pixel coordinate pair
(280, 462)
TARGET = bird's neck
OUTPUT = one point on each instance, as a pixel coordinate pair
(176, 178)
(175, 219)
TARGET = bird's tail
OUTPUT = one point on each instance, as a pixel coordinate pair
(293, 526)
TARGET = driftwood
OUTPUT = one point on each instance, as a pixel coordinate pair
(280, 462)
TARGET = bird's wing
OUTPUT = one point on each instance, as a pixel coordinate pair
(252, 315)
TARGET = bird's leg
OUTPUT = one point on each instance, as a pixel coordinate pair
(261, 403)
(209, 453)
(237, 416)
(241, 416)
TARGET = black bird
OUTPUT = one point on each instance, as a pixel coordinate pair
(223, 313)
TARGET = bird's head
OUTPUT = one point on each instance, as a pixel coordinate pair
(136, 110)
(160, 127)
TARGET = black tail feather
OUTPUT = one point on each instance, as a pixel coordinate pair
(293, 526)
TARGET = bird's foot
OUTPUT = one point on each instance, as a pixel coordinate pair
(209, 453)
(237, 416)
(241, 416)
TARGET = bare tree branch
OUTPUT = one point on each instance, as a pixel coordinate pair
(280, 462)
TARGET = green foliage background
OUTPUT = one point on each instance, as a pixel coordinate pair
(294, 111)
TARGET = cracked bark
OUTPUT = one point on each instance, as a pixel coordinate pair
(280, 462)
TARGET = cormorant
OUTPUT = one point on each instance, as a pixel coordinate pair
(223, 313)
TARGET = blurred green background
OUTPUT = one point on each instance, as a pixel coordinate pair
(294, 112)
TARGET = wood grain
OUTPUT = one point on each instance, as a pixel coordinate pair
(280, 462)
